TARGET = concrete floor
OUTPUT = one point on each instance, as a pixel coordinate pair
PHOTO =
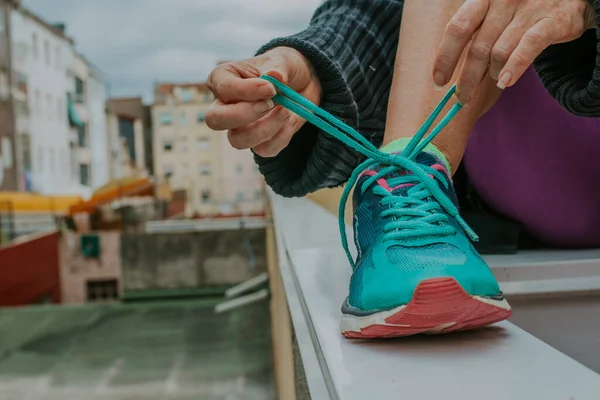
(570, 324)
(149, 351)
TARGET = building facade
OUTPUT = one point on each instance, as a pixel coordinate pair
(130, 137)
(9, 177)
(59, 109)
(42, 54)
(89, 142)
(192, 157)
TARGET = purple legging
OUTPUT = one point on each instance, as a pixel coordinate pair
(534, 162)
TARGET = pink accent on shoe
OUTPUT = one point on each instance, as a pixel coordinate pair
(441, 168)
(437, 302)
(384, 183)
(401, 186)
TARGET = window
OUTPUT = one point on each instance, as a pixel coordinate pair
(239, 196)
(239, 169)
(26, 151)
(51, 167)
(47, 52)
(204, 169)
(41, 158)
(65, 161)
(205, 196)
(167, 146)
(201, 116)
(258, 194)
(6, 145)
(203, 144)
(82, 140)
(34, 45)
(57, 57)
(165, 119)
(186, 95)
(84, 174)
(184, 144)
(168, 168)
(79, 91)
(38, 102)
(59, 110)
(102, 290)
(49, 106)
(183, 119)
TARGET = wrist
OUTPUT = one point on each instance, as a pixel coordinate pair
(590, 18)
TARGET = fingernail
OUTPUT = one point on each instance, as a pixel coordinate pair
(263, 106)
(437, 87)
(439, 78)
(504, 80)
(457, 98)
(269, 90)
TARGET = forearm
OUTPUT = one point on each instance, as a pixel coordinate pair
(571, 71)
(351, 45)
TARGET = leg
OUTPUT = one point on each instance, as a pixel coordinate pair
(413, 95)
(416, 271)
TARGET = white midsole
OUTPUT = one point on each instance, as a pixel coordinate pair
(354, 323)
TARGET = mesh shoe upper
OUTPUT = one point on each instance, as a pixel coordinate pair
(387, 272)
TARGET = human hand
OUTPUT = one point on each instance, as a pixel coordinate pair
(504, 37)
(243, 104)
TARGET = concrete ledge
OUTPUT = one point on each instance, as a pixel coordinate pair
(498, 363)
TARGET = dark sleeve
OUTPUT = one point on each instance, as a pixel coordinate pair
(352, 46)
(571, 71)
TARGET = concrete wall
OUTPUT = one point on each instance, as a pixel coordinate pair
(191, 259)
(76, 270)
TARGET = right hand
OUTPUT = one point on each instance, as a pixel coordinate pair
(243, 104)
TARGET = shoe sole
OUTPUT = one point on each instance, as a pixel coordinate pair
(439, 305)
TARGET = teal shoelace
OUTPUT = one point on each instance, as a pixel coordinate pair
(411, 216)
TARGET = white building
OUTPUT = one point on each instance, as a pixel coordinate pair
(48, 75)
(87, 94)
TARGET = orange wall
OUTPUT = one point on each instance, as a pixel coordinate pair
(30, 270)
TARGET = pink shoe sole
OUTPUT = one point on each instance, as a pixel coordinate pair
(439, 305)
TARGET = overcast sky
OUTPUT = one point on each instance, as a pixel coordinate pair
(138, 42)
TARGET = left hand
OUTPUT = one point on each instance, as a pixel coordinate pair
(504, 37)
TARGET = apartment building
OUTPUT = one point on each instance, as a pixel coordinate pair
(218, 179)
(42, 54)
(9, 179)
(89, 143)
(59, 110)
(130, 137)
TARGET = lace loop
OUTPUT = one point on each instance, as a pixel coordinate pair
(411, 216)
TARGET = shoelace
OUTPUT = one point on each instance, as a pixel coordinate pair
(412, 215)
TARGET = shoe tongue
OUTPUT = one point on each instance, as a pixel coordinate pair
(423, 158)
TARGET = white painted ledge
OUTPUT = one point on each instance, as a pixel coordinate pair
(501, 362)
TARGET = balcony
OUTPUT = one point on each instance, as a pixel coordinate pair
(549, 350)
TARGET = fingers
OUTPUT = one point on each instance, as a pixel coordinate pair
(504, 47)
(222, 116)
(260, 131)
(479, 53)
(281, 140)
(231, 83)
(457, 35)
(534, 41)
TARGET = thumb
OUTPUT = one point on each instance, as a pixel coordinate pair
(290, 67)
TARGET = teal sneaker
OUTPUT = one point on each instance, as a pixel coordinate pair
(416, 270)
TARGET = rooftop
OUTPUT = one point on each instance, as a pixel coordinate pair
(144, 351)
